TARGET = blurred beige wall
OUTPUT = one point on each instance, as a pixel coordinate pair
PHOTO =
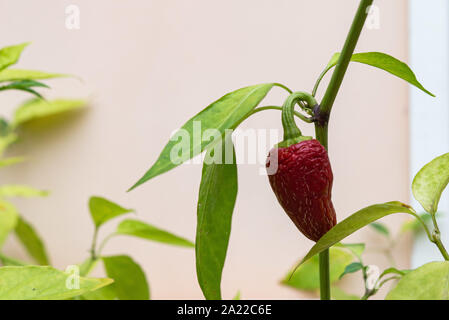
(147, 67)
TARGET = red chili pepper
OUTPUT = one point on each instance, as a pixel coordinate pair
(303, 180)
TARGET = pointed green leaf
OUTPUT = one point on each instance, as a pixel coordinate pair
(225, 113)
(10, 55)
(8, 220)
(351, 268)
(394, 271)
(43, 283)
(430, 181)
(333, 61)
(131, 227)
(38, 108)
(19, 74)
(307, 276)
(103, 210)
(381, 228)
(31, 241)
(237, 296)
(355, 222)
(15, 190)
(218, 192)
(129, 279)
(428, 282)
(385, 62)
(10, 161)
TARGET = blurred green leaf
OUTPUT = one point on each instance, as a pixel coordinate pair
(10, 161)
(131, 227)
(428, 282)
(20, 74)
(356, 248)
(355, 222)
(218, 192)
(8, 261)
(381, 228)
(43, 283)
(31, 241)
(103, 210)
(4, 127)
(415, 225)
(307, 276)
(129, 279)
(25, 85)
(237, 296)
(225, 113)
(10, 55)
(385, 62)
(339, 294)
(38, 108)
(6, 141)
(351, 268)
(430, 181)
(8, 220)
(88, 265)
(105, 293)
(15, 190)
(394, 271)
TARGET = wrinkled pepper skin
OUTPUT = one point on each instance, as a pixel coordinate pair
(303, 186)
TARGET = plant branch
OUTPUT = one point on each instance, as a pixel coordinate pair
(283, 87)
(103, 243)
(340, 70)
(93, 254)
(345, 57)
(436, 238)
(296, 113)
(321, 127)
(325, 292)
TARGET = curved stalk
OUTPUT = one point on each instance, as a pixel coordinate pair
(280, 85)
(103, 243)
(296, 113)
(318, 81)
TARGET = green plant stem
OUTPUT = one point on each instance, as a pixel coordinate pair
(441, 247)
(321, 128)
(283, 87)
(340, 69)
(325, 291)
(93, 254)
(436, 238)
(8, 261)
(321, 76)
(296, 113)
(103, 243)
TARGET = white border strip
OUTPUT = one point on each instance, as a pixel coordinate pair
(429, 117)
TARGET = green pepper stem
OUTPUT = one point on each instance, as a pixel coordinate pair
(325, 292)
(291, 130)
(321, 129)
